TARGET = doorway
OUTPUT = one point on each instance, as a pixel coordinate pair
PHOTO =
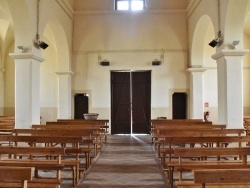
(179, 105)
(81, 102)
(130, 102)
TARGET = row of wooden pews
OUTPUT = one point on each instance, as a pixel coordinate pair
(7, 124)
(191, 145)
(54, 147)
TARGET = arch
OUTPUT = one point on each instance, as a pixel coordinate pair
(234, 22)
(6, 67)
(199, 47)
(56, 35)
(57, 58)
(21, 14)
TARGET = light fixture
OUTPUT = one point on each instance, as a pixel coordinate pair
(21, 48)
(235, 43)
(215, 41)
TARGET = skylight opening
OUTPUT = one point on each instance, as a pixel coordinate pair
(133, 5)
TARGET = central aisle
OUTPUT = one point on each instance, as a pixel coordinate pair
(126, 161)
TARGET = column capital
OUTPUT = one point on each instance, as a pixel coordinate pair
(34, 56)
(196, 69)
(229, 52)
(64, 73)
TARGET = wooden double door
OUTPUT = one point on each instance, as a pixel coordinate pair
(130, 102)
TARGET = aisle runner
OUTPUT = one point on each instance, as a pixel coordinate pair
(126, 161)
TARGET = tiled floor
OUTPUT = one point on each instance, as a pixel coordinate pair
(126, 161)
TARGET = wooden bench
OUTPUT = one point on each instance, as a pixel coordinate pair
(102, 125)
(36, 163)
(182, 165)
(162, 134)
(102, 122)
(165, 146)
(74, 163)
(218, 178)
(182, 126)
(92, 131)
(20, 174)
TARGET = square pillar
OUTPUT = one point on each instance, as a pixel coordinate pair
(196, 93)
(64, 94)
(230, 87)
(27, 89)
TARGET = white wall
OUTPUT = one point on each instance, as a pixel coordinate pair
(246, 76)
(130, 41)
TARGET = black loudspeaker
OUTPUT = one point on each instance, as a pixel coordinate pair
(43, 45)
(156, 63)
(213, 43)
(104, 63)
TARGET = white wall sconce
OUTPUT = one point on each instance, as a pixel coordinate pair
(235, 43)
(21, 49)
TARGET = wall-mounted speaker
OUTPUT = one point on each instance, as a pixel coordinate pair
(156, 63)
(104, 63)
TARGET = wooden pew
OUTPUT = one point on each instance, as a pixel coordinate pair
(32, 162)
(194, 132)
(182, 165)
(103, 124)
(199, 132)
(165, 146)
(222, 176)
(74, 163)
(226, 178)
(96, 133)
(162, 125)
(87, 134)
(21, 174)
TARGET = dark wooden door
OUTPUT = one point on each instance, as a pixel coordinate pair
(141, 102)
(179, 101)
(130, 102)
(81, 103)
(120, 103)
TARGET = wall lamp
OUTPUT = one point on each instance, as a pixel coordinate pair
(235, 43)
(215, 41)
(21, 48)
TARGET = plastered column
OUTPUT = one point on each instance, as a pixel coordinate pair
(196, 93)
(230, 87)
(2, 71)
(64, 94)
(27, 89)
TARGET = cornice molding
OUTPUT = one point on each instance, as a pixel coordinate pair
(64, 73)
(229, 52)
(172, 11)
(34, 56)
